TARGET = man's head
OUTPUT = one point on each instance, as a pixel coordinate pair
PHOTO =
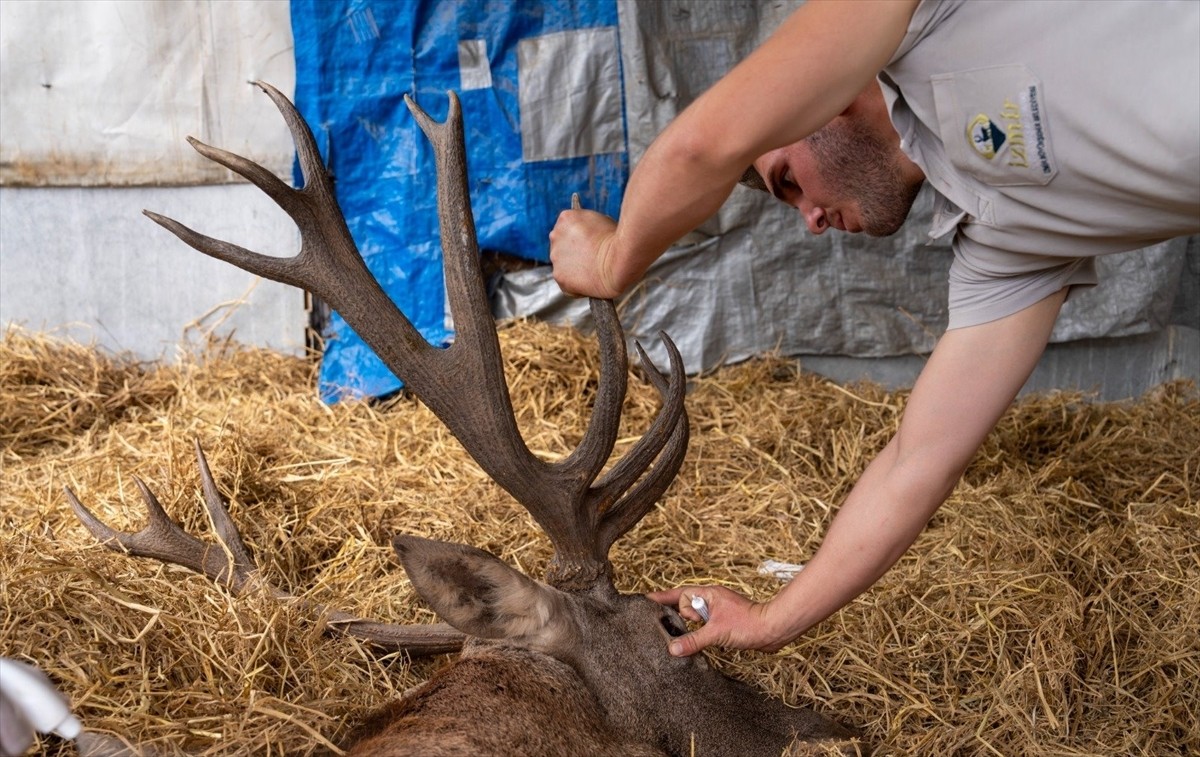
(849, 175)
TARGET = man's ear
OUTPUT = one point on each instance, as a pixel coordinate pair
(751, 178)
(482, 596)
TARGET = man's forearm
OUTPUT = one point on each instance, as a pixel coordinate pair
(878, 522)
(966, 385)
(675, 188)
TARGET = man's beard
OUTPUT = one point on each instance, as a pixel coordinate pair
(858, 165)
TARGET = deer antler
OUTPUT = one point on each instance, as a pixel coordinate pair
(229, 563)
(464, 384)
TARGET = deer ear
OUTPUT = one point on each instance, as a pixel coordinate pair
(481, 595)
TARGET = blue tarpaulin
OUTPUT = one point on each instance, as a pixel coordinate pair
(540, 89)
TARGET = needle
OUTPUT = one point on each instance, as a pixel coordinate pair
(701, 607)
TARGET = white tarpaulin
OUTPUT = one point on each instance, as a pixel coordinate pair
(103, 92)
(96, 98)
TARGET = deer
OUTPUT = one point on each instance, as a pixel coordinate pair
(560, 666)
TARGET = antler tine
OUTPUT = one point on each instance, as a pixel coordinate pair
(635, 462)
(473, 324)
(296, 270)
(307, 153)
(665, 442)
(218, 513)
(165, 540)
(260, 177)
(598, 440)
(276, 269)
(229, 563)
(639, 499)
(627, 492)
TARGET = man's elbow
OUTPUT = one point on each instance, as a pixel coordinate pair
(707, 149)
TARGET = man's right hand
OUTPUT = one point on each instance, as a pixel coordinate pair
(735, 622)
(579, 251)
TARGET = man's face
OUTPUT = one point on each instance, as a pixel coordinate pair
(844, 176)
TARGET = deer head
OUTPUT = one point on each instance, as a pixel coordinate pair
(616, 644)
(613, 646)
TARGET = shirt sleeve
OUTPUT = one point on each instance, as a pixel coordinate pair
(987, 284)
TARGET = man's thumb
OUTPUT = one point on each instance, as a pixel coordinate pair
(689, 644)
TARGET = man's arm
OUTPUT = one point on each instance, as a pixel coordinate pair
(968, 383)
(803, 76)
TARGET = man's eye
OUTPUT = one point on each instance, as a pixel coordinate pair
(787, 181)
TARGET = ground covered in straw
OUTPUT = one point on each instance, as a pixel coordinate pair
(1051, 607)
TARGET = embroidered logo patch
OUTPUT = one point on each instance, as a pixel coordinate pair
(994, 125)
(1020, 129)
(985, 136)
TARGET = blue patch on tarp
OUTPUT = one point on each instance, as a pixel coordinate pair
(355, 60)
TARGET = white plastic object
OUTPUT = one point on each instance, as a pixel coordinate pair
(30, 703)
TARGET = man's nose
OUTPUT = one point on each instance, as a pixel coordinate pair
(814, 217)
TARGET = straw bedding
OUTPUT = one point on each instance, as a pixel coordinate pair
(1050, 608)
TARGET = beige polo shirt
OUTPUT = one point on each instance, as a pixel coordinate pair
(1053, 131)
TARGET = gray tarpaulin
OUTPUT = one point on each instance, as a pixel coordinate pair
(752, 280)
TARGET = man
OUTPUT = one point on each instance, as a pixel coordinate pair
(1053, 132)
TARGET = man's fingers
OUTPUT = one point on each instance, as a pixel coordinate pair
(682, 599)
(669, 597)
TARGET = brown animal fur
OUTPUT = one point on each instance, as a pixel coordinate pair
(519, 701)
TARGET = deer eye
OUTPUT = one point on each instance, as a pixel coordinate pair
(673, 625)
